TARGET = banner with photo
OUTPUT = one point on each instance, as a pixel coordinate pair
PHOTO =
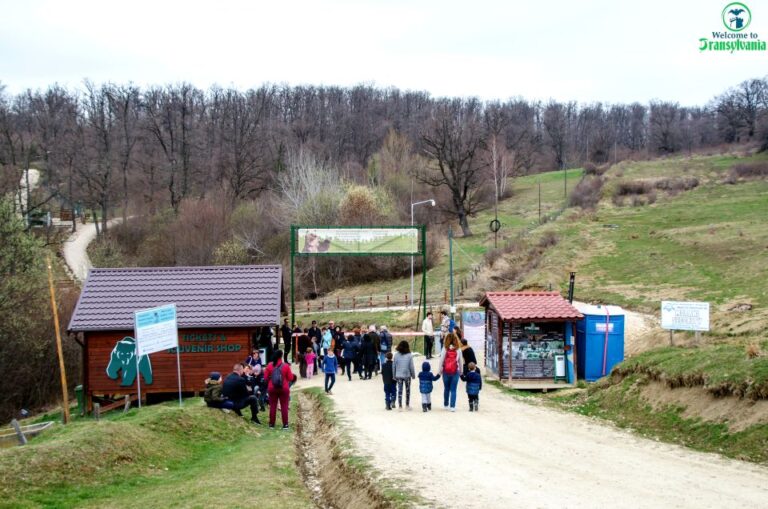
(345, 241)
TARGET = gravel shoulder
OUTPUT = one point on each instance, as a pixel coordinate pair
(514, 453)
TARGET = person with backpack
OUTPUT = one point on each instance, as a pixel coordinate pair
(450, 369)
(404, 372)
(280, 377)
(426, 378)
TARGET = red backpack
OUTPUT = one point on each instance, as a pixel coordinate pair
(450, 364)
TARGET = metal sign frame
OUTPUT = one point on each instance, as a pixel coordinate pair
(422, 251)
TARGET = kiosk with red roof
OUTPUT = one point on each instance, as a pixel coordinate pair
(530, 338)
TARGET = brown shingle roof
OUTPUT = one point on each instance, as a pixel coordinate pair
(218, 296)
(524, 306)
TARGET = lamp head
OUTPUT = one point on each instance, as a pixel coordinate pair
(432, 202)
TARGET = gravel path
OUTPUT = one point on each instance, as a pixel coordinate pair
(517, 454)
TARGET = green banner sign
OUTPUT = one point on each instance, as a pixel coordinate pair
(345, 241)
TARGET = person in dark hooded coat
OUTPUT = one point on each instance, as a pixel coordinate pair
(368, 351)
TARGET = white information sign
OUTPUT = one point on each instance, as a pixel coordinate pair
(693, 316)
(156, 329)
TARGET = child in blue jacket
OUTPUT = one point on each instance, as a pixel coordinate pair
(474, 385)
(425, 386)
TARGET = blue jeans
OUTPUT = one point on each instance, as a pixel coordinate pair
(450, 383)
(382, 359)
(390, 393)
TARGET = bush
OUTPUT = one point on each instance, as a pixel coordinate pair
(635, 187)
(674, 186)
(587, 193)
(742, 171)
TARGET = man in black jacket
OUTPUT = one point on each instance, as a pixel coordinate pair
(235, 389)
(287, 334)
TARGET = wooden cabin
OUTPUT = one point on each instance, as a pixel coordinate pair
(219, 310)
(530, 339)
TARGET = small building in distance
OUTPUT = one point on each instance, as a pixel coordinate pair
(219, 309)
(530, 338)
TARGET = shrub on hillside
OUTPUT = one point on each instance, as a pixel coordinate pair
(587, 193)
(675, 185)
(742, 171)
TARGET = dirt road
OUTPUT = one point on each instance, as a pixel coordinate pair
(75, 247)
(517, 454)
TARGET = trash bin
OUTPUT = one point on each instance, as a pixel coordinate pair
(80, 395)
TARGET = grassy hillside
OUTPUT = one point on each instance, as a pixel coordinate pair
(160, 456)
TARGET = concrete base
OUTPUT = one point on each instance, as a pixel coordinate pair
(536, 385)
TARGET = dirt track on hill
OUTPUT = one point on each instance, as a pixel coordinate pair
(517, 454)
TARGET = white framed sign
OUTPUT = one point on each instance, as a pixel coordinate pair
(156, 329)
(692, 316)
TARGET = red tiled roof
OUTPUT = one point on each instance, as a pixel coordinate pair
(217, 296)
(531, 306)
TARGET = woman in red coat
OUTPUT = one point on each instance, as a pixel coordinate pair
(279, 379)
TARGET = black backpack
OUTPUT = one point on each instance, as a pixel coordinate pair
(277, 377)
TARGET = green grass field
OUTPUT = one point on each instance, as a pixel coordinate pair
(159, 456)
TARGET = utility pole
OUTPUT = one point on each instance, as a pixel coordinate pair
(450, 263)
(60, 350)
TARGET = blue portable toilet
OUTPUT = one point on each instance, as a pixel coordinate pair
(599, 340)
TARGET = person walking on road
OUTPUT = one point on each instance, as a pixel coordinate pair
(280, 377)
(450, 369)
(468, 355)
(330, 365)
(428, 329)
(404, 372)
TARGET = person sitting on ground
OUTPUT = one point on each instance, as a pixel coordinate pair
(260, 386)
(279, 380)
(388, 377)
(235, 389)
(474, 386)
(330, 365)
(212, 395)
(310, 357)
(254, 359)
(425, 385)
(468, 354)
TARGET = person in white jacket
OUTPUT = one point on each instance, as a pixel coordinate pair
(428, 329)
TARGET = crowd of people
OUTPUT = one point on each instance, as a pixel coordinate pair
(359, 353)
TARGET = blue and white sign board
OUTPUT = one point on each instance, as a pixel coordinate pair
(692, 316)
(473, 323)
(156, 329)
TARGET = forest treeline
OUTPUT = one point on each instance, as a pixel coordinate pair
(218, 174)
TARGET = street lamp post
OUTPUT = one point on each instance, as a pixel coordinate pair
(432, 203)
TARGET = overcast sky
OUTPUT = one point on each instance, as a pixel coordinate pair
(615, 51)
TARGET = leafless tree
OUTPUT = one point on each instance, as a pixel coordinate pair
(453, 142)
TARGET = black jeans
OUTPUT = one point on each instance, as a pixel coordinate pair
(251, 401)
(429, 343)
(332, 378)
